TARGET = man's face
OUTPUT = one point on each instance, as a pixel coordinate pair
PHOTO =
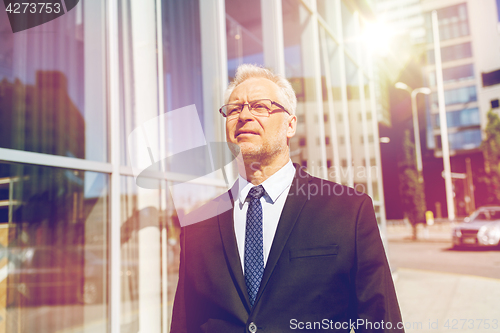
(259, 138)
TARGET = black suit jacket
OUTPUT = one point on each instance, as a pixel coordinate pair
(326, 268)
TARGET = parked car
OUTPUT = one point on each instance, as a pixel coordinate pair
(482, 228)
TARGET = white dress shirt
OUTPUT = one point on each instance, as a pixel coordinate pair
(273, 201)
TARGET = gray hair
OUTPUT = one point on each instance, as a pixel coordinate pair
(248, 71)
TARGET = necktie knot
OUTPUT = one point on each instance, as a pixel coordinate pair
(256, 192)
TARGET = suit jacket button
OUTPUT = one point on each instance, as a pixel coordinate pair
(252, 327)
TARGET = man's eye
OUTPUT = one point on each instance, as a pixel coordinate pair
(259, 107)
(233, 109)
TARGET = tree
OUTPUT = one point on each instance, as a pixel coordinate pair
(410, 189)
(491, 152)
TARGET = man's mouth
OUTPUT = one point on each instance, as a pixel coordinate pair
(245, 132)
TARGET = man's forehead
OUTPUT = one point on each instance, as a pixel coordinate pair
(256, 86)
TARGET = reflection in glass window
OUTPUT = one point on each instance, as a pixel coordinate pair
(243, 34)
(52, 86)
(454, 74)
(467, 117)
(450, 53)
(182, 79)
(456, 96)
(328, 11)
(53, 232)
(349, 29)
(468, 139)
(150, 231)
(299, 70)
(453, 23)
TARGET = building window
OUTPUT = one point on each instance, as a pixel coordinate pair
(301, 118)
(369, 116)
(317, 141)
(468, 139)
(304, 163)
(494, 103)
(454, 74)
(457, 96)
(453, 52)
(373, 162)
(325, 118)
(491, 78)
(498, 10)
(328, 164)
(339, 117)
(453, 23)
(341, 140)
(362, 139)
(467, 117)
(302, 141)
(370, 138)
(344, 163)
(327, 140)
(243, 34)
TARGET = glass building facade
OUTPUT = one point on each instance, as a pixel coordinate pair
(90, 100)
(459, 78)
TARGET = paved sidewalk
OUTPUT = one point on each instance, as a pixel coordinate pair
(444, 302)
(439, 232)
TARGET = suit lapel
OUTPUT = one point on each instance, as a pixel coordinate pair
(297, 197)
(226, 226)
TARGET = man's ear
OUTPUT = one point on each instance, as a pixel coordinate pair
(291, 126)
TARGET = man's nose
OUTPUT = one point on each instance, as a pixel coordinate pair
(245, 113)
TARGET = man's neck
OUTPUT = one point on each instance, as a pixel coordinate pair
(256, 172)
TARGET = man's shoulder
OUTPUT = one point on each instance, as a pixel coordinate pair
(207, 213)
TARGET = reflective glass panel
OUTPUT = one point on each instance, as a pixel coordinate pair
(453, 23)
(300, 71)
(467, 117)
(53, 241)
(52, 85)
(243, 34)
(328, 11)
(349, 28)
(150, 249)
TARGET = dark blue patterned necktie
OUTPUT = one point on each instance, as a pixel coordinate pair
(254, 243)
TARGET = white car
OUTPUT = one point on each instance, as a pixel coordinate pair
(482, 228)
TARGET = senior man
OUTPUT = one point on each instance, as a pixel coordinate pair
(295, 251)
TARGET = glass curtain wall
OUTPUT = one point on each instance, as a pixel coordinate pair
(243, 34)
(52, 92)
(54, 181)
(345, 131)
(302, 69)
(165, 111)
(53, 234)
(459, 81)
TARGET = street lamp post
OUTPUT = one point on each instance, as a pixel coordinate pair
(416, 128)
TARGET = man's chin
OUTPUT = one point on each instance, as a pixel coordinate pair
(248, 151)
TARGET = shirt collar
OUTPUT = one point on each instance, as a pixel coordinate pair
(274, 185)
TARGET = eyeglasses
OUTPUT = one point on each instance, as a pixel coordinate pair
(259, 108)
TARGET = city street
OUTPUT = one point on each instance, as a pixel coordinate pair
(439, 257)
(433, 252)
(441, 289)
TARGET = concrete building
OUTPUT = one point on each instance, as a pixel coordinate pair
(470, 46)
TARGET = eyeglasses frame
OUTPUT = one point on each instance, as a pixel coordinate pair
(281, 107)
